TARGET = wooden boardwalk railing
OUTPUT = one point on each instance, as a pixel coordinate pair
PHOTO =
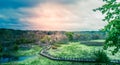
(86, 60)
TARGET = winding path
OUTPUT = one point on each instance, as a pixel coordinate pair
(84, 60)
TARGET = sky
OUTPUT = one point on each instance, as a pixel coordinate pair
(51, 15)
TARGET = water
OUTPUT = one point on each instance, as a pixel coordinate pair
(21, 58)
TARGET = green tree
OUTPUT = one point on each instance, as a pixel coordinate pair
(69, 35)
(111, 10)
(45, 39)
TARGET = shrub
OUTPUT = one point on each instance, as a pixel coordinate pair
(7, 54)
(42, 40)
(15, 47)
(45, 39)
(57, 44)
(1, 48)
(69, 35)
(101, 56)
(24, 41)
(54, 47)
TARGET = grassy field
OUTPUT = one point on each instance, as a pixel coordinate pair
(97, 40)
(74, 49)
(38, 59)
(77, 50)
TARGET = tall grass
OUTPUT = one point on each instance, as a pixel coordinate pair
(73, 50)
(77, 50)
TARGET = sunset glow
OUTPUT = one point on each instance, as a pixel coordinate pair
(60, 15)
(52, 16)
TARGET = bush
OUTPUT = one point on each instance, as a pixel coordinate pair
(69, 35)
(24, 41)
(54, 47)
(57, 44)
(101, 56)
(1, 48)
(7, 54)
(45, 39)
(15, 47)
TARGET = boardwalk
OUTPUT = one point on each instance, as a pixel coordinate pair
(83, 60)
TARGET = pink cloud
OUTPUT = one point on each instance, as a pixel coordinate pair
(49, 16)
(56, 16)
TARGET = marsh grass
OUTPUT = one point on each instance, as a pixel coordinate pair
(78, 50)
(74, 49)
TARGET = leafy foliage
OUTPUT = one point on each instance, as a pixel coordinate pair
(23, 41)
(111, 10)
(45, 39)
(88, 35)
(101, 56)
(113, 39)
(69, 35)
(15, 47)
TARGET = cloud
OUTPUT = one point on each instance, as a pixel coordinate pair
(52, 16)
(18, 3)
(9, 18)
(64, 1)
(30, 3)
(71, 15)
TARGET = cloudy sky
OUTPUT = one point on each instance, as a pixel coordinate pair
(60, 15)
